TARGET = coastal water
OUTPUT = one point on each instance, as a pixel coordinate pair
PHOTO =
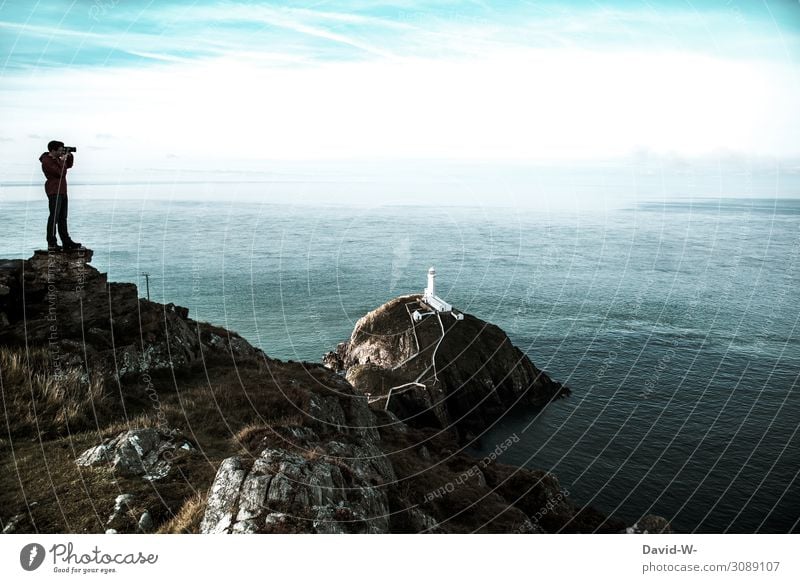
(675, 323)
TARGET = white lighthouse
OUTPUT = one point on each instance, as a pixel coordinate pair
(430, 291)
(436, 303)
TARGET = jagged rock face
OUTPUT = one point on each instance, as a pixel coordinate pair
(465, 373)
(60, 291)
(286, 492)
(59, 300)
(329, 478)
(139, 452)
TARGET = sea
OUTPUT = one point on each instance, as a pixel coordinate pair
(673, 321)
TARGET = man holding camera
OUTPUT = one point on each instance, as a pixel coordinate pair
(55, 163)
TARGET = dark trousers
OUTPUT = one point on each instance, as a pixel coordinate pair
(58, 217)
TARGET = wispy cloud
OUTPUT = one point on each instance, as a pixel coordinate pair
(293, 21)
(341, 31)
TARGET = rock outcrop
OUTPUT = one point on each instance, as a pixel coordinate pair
(146, 452)
(439, 371)
(286, 492)
(57, 299)
(330, 476)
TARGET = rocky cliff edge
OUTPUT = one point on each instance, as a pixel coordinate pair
(125, 415)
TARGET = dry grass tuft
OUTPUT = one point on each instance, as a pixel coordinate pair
(42, 398)
(188, 518)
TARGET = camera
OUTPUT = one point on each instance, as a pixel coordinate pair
(69, 149)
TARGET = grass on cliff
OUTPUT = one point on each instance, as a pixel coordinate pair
(41, 398)
(217, 408)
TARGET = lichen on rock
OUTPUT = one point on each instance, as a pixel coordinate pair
(138, 452)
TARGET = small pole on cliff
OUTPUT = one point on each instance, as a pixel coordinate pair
(147, 283)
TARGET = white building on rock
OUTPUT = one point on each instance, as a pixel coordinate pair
(436, 303)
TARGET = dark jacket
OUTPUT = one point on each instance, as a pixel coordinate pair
(56, 173)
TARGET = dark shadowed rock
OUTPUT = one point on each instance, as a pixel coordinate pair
(59, 300)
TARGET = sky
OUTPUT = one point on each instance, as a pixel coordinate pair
(396, 93)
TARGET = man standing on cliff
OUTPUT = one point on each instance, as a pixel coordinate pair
(55, 163)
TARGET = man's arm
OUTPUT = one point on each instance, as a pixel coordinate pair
(53, 167)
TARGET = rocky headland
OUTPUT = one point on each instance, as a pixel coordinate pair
(125, 415)
(457, 374)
